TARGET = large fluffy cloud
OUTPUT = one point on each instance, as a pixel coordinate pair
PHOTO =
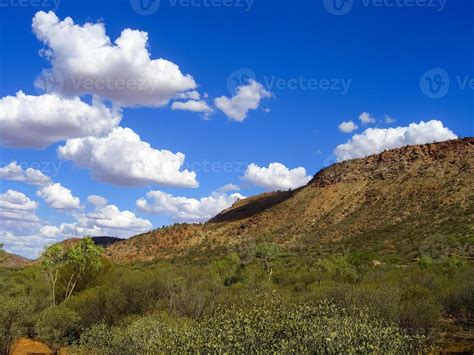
(104, 220)
(276, 177)
(122, 158)
(19, 225)
(17, 213)
(27, 245)
(109, 220)
(14, 172)
(38, 121)
(59, 197)
(86, 61)
(183, 209)
(23, 233)
(248, 97)
(376, 140)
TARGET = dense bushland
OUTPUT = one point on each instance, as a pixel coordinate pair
(273, 301)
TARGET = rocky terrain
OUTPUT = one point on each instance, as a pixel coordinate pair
(400, 202)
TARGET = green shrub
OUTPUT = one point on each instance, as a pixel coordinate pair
(15, 314)
(419, 311)
(58, 326)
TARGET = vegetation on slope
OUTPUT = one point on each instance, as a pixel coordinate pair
(373, 255)
(395, 203)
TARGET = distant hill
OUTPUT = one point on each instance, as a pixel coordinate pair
(102, 241)
(402, 203)
(14, 261)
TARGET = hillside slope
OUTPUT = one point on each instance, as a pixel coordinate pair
(12, 261)
(404, 202)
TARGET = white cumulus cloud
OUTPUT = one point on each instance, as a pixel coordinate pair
(248, 97)
(59, 197)
(347, 127)
(109, 220)
(122, 71)
(17, 213)
(276, 177)
(122, 158)
(39, 121)
(97, 200)
(183, 209)
(366, 118)
(192, 105)
(14, 172)
(376, 140)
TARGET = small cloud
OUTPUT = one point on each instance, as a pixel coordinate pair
(192, 105)
(14, 172)
(248, 98)
(366, 118)
(184, 209)
(276, 177)
(389, 119)
(347, 127)
(97, 200)
(59, 197)
(229, 187)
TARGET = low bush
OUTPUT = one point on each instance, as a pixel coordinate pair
(58, 326)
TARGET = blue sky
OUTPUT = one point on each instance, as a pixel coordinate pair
(312, 69)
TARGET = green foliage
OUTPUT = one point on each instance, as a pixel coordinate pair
(52, 260)
(73, 264)
(425, 261)
(419, 311)
(361, 261)
(226, 268)
(267, 327)
(267, 253)
(338, 267)
(2, 253)
(58, 326)
(81, 260)
(227, 305)
(15, 313)
(193, 295)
